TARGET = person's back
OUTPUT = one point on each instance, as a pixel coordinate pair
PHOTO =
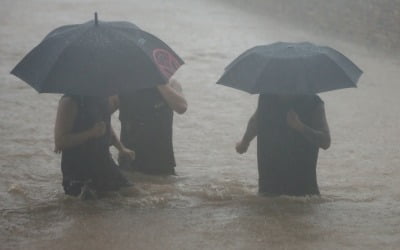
(83, 135)
(290, 130)
(146, 127)
(77, 162)
(286, 159)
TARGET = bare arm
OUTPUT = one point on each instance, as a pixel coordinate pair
(172, 93)
(318, 133)
(113, 102)
(63, 136)
(249, 135)
(115, 140)
(123, 151)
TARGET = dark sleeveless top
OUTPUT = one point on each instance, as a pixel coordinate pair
(286, 159)
(146, 128)
(91, 160)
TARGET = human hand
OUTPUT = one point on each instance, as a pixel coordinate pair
(98, 130)
(242, 147)
(127, 154)
(294, 121)
(171, 84)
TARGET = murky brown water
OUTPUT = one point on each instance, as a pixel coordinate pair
(212, 204)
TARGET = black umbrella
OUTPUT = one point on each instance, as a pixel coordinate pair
(290, 68)
(99, 59)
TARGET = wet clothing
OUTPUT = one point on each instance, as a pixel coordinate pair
(286, 159)
(91, 162)
(146, 128)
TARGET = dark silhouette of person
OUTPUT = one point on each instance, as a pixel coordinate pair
(83, 135)
(146, 127)
(290, 130)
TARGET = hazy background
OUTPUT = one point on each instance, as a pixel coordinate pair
(372, 23)
(213, 202)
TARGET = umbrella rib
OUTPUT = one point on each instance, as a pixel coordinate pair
(141, 49)
(343, 57)
(163, 43)
(156, 38)
(259, 74)
(341, 69)
(62, 53)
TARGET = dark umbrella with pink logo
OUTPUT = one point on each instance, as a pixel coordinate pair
(98, 58)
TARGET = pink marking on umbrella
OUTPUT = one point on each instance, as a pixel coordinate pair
(166, 62)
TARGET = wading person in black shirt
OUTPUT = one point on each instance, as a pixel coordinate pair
(146, 127)
(83, 135)
(290, 130)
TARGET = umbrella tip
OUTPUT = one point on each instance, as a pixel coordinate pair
(96, 21)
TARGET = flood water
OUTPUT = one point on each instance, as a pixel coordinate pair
(213, 202)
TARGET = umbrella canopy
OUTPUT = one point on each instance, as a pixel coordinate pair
(290, 69)
(98, 59)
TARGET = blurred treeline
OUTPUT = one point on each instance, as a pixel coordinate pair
(372, 23)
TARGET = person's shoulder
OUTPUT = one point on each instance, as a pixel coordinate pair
(317, 100)
(69, 98)
(315, 104)
(65, 99)
(67, 102)
(113, 103)
(319, 105)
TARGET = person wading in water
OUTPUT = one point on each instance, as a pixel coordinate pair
(290, 130)
(146, 127)
(83, 135)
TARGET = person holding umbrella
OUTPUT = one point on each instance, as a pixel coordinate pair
(146, 115)
(290, 121)
(290, 129)
(146, 127)
(90, 63)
